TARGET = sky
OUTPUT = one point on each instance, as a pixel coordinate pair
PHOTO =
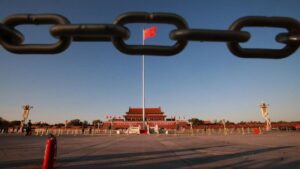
(91, 80)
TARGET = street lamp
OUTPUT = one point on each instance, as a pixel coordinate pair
(26, 110)
(265, 113)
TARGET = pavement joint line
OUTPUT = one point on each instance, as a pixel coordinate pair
(172, 151)
(91, 151)
(178, 155)
(3, 153)
(267, 146)
(79, 149)
(102, 145)
(251, 144)
(182, 145)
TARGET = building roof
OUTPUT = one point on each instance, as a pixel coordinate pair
(147, 111)
(147, 114)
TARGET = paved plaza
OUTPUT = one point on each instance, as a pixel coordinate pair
(271, 150)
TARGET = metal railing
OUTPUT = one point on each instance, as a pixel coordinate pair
(170, 132)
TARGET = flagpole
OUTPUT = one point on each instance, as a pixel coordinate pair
(143, 83)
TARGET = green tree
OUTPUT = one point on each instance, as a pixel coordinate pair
(41, 124)
(3, 122)
(15, 123)
(95, 122)
(196, 121)
(75, 122)
(59, 124)
(85, 123)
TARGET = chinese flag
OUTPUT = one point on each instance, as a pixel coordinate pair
(150, 32)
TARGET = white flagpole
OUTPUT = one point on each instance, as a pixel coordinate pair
(143, 83)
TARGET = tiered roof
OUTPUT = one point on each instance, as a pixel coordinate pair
(134, 114)
(147, 111)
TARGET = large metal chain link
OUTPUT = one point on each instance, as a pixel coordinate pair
(12, 39)
(143, 17)
(15, 20)
(290, 24)
(11, 36)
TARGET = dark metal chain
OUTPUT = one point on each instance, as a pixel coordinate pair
(12, 40)
(292, 25)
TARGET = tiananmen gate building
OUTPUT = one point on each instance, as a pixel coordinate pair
(153, 117)
(151, 114)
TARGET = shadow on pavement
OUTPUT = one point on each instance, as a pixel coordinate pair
(175, 158)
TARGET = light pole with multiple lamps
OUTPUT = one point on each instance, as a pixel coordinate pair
(265, 113)
(26, 110)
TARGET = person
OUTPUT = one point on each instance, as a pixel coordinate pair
(82, 128)
(28, 128)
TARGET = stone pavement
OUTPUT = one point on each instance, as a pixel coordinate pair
(271, 150)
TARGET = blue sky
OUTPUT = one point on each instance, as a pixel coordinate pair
(93, 79)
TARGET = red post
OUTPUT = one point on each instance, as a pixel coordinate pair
(50, 153)
(256, 131)
(143, 131)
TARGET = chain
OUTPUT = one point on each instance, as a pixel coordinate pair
(12, 40)
(10, 35)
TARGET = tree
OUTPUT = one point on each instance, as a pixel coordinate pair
(15, 123)
(59, 124)
(41, 124)
(229, 122)
(75, 122)
(3, 122)
(242, 122)
(96, 122)
(226, 122)
(85, 123)
(196, 121)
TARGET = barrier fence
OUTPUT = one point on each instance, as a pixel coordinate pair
(95, 131)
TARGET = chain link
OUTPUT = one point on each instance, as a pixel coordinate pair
(90, 32)
(288, 39)
(15, 20)
(210, 35)
(12, 39)
(143, 17)
(10, 35)
(290, 24)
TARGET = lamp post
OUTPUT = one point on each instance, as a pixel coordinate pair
(66, 123)
(26, 110)
(191, 128)
(265, 113)
(224, 126)
(111, 125)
